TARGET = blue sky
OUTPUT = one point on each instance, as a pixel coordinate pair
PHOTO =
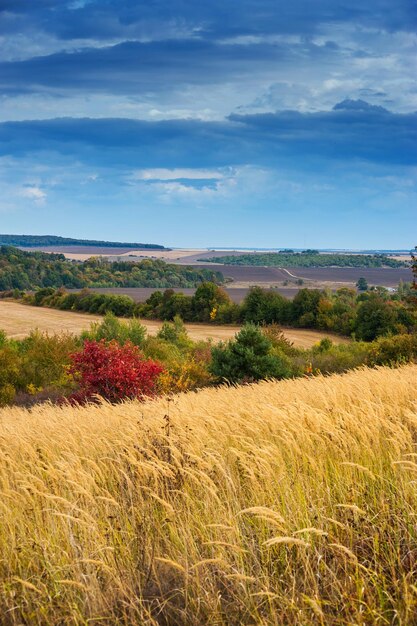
(222, 123)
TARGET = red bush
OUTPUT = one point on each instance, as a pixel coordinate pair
(112, 371)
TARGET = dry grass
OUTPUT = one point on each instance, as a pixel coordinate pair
(164, 255)
(17, 320)
(289, 502)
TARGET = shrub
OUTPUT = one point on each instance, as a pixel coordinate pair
(391, 350)
(45, 359)
(335, 358)
(41, 294)
(112, 329)
(186, 376)
(7, 394)
(9, 371)
(274, 333)
(161, 350)
(324, 345)
(248, 357)
(176, 333)
(113, 372)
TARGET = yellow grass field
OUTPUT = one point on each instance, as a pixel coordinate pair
(281, 503)
(17, 320)
(164, 255)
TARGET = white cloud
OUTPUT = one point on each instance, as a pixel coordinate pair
(34, 193)
(159, 174)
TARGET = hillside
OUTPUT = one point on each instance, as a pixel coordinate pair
(287, 502)
(308, 259)
(29, 241)
(29, 270)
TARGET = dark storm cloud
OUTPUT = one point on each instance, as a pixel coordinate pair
(104, 18)
(353, 130)
(26, 6)
(134, 67)
(305, 140)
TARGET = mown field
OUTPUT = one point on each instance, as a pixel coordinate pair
(289, 502)
(17, 320)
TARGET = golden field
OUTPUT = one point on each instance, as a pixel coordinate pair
(17, 320)
(290, 502)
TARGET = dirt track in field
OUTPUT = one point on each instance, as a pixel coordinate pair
(320, 277)
(17, 320)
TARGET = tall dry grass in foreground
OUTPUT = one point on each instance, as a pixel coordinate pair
(289, 502)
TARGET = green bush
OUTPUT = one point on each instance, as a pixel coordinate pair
(112, 329)
(279, 341)
(161, 350)
(175, 332)
(9, 372)
(7, 394)
(248, 357)
(329, 359)
(392, 350)
(44, 360)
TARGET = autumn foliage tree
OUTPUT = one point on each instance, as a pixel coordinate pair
(113, 372)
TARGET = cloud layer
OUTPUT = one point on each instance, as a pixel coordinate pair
(352, 131)
(225, 112)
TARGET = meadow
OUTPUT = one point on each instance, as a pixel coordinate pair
(289, 502)
(18, 320)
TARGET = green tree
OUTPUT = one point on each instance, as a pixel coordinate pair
(362, 284)
(264, 306)
(248, 357)
(375, 317)
(206, 301)
(305, 307)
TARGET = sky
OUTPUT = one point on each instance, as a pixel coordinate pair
(221, 123)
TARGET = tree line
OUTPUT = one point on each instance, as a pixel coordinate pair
(366, 315)
(30, 241)
(31, 270)
(309, 258)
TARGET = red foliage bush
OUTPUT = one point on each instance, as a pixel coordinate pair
(113, 372)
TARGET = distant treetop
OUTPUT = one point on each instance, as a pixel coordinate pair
(20, 269)
(32, 241)
(308, 258)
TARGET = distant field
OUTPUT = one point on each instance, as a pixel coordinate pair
(17, 320)
(385, 276)
(88, 251)
(182, 256)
